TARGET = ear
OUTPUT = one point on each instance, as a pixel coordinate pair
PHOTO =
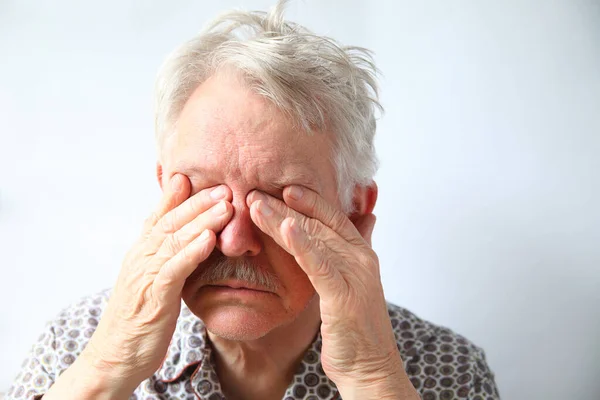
(159, 175)
(363, 200)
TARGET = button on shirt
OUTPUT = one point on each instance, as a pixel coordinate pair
(441, 364)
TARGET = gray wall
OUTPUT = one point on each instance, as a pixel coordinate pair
(489, 183)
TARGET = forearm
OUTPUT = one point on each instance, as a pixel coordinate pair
(82, 381)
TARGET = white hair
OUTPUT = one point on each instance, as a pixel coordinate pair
(315, 80)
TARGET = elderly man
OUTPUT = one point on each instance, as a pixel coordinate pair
(255, 277)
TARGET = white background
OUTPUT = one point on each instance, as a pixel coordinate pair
(489, 179)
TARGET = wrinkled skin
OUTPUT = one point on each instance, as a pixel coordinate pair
(275, 205)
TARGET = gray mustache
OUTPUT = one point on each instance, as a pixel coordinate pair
(218, 268)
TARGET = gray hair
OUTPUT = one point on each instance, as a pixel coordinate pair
(313, 79)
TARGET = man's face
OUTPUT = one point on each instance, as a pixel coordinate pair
(226, 134)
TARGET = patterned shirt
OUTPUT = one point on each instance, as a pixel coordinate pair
(441, 364)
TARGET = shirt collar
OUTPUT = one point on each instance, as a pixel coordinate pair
(190, 346)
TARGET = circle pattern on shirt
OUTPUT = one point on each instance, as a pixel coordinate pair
(440, 364)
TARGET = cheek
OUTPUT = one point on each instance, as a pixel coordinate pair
(297, 289)
(331, 195)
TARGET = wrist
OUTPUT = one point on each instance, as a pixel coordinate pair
(115, 376)
(389, 383)
(393, 388)
(82, 380)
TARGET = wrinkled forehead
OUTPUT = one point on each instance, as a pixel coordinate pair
(227, 129)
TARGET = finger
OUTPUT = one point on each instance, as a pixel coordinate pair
(365, 225)
(262, 216)
(175, 193)
(315, 249)
(314, 257)
(315, 206)
(188, 210)
(268, 213)
(172, 275)
(213, 219)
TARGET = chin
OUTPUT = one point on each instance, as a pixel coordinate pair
(240, 324)
(240, 317)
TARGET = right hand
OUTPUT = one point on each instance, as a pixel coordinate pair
(136, 328)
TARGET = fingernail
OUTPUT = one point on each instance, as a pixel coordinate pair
(296, 192)
(175, 183)
(264, 208)
(257, 195)
(218, 193)
(220, 208)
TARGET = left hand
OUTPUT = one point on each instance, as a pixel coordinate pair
(359, 350)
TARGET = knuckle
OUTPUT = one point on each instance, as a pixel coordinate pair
(322, 248)
(150, 222)
(324, 211)
(186, 235)
(323, 268)
(306, 226)
(172, 244)
(316, 246)
(197, 201)
(313, 202)
(167, 223)
(306, 246)
(201, 201)
(186, 255)
(152, 219)
(312, 227)
(338, 221)
(167, 276)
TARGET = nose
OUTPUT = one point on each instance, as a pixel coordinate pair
(240, 236)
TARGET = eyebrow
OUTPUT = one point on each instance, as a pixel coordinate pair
(301, 179)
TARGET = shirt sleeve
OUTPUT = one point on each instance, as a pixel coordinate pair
(484, 385)
(485, 389)
(37, 372)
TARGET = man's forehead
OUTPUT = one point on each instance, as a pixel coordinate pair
(225, 148)
(268, 163)
(226, 130)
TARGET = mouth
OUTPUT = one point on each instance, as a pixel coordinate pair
(238, 285)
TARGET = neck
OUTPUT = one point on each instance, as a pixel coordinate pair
(263, 368)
